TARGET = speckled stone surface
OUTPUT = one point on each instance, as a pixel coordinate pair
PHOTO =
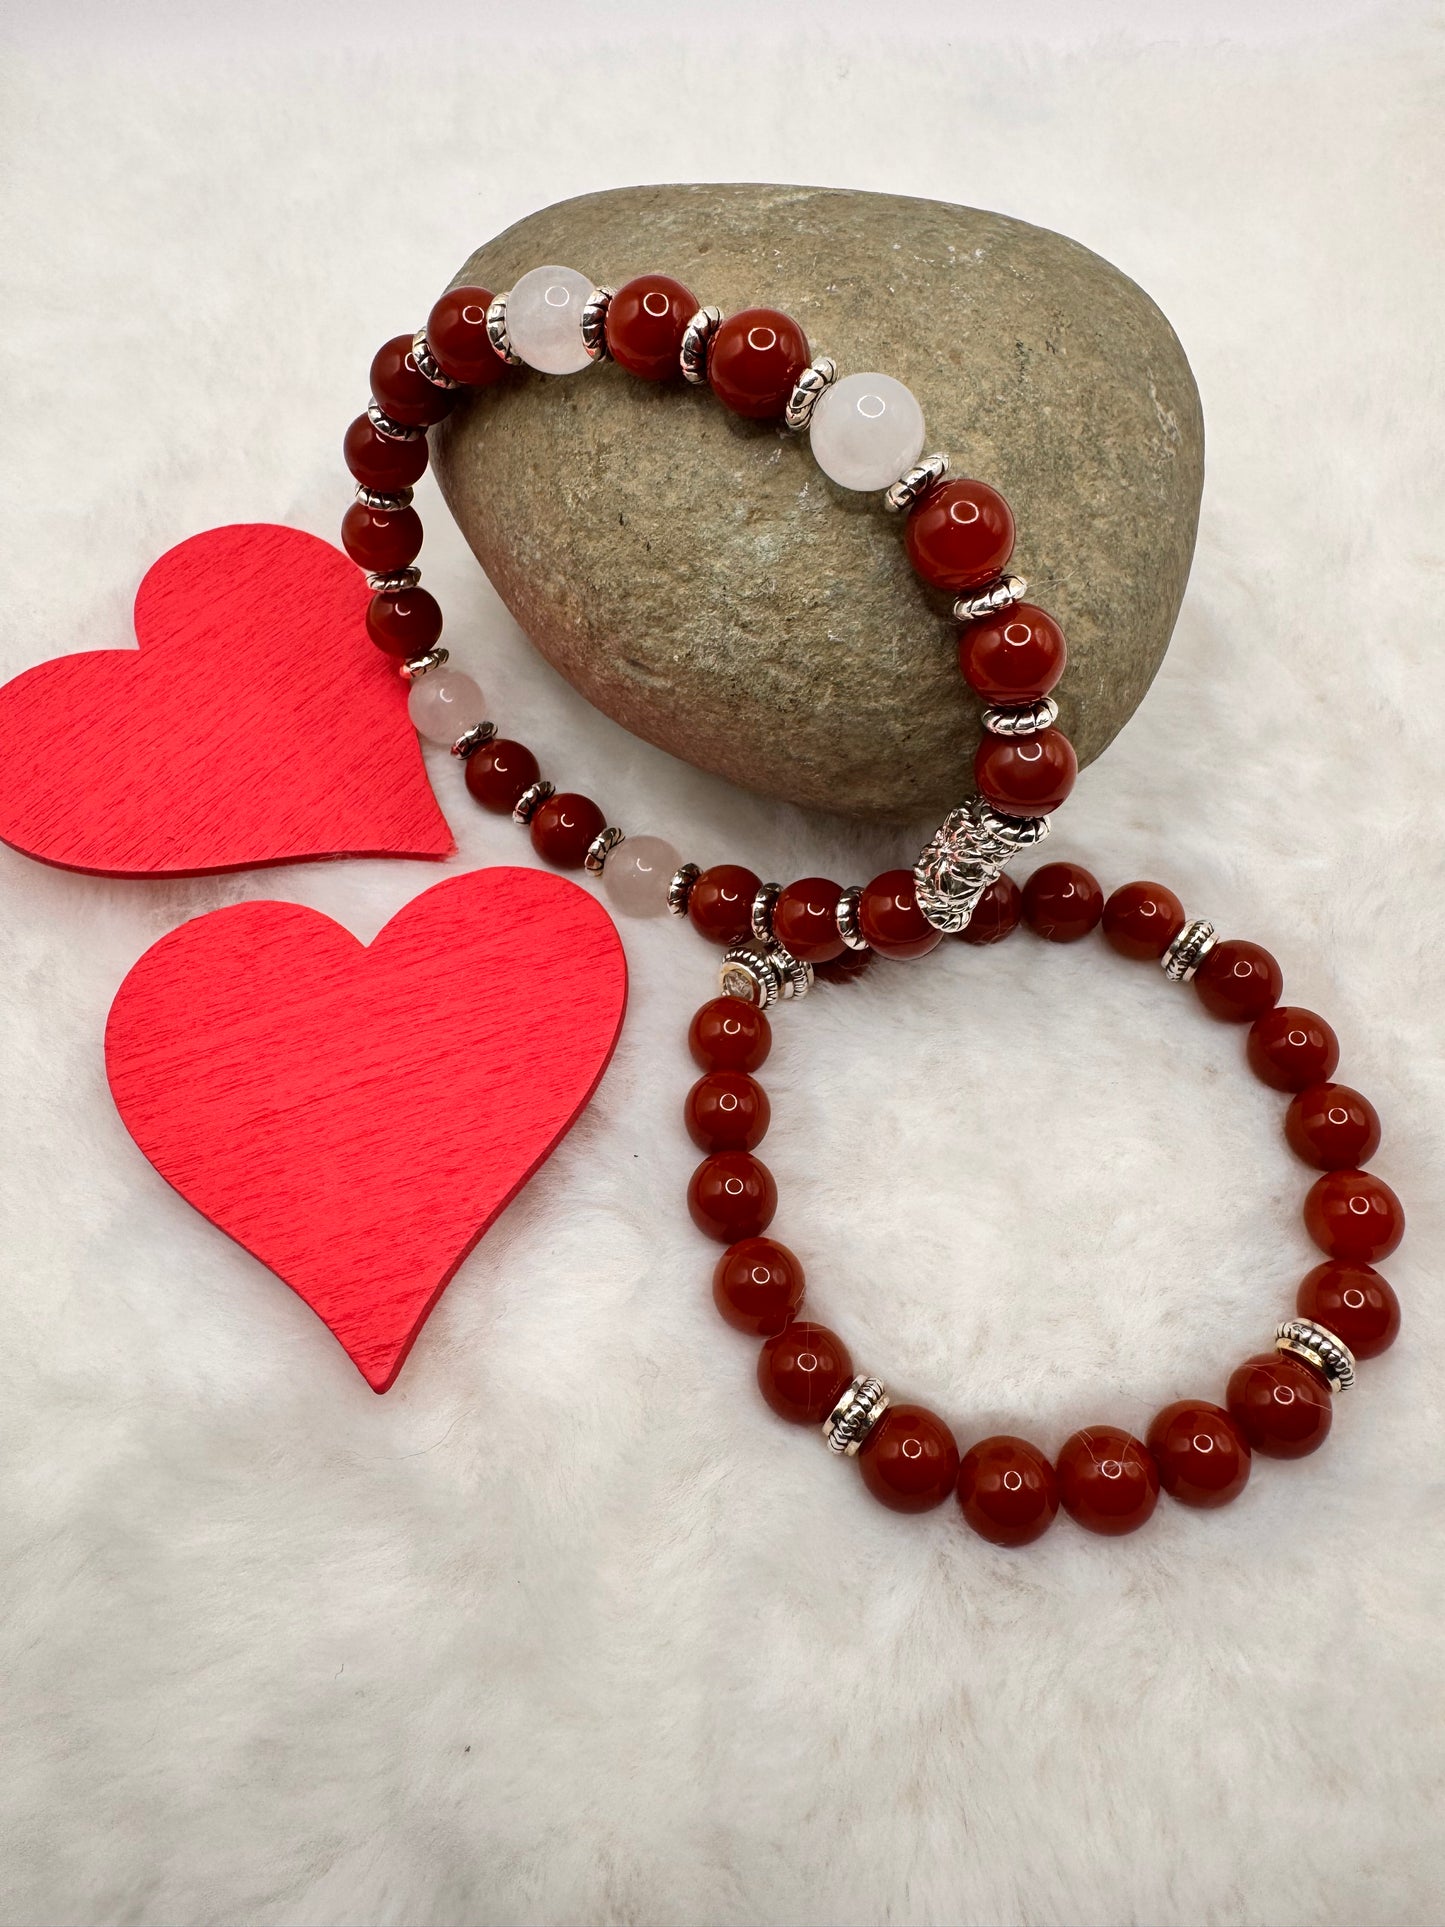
(699, 579)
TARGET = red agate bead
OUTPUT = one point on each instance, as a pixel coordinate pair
(996, 914)
(960, 535)
(1108, 1482)
(729, 1035)
(379, 461)
(500, 773)
(1280, 1404)
(726, 1111)
(1063, 902)
(381, 539)
(1290, 1047)
(1141, 920)
(1007, 1491)
(732, 1195)
(401, 389)
(563, 827)
(805, 919)
(757, 1285)
(1354, 1302)
(803, 1371)
(404, 622)
(456, 334)
(754, 361)
(720, 903)
(890, 919)
(909, 1461)
(1015, 656)
(1238, 981)
(1331, 1127)
(1026, 775)
(646, 319)
(1202, 1456)
(1355, 1215)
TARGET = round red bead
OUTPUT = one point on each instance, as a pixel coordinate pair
(1290, 1047)
(381, 539)
(729, 1035)
(959, 535)
(757, 1285)
(1108, 1483)
(802, 1372)
(909, 1461)
(732, 1195)
(403, 391)
(456, 334)
(845, 968)
(1026, 775)
(405, 623)
(1331, 1127)
(996, 914)
(563, 828)
(754, 361)
(890, 920)
(377, 461)
(500, 773)
(1063, 902)
(1141, 920)
(1007, 1491)
(805, 919)
(1016, 656)
(1238, 981)
(1354, 1215)
(1202, 1456)
(726, 1111)
(1280, 1404)
(1354, 1302)
(720, 903)
(645, 323)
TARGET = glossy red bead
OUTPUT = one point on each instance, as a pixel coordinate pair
(1141, 920)
(757, 1285)
(1007, 1491)
(846, 968)
(1354, 1302)
(645, 323)
(1331, 1127)
(1280, 1404)
(805, 919)
(1202, 1456)
(726, 1111)
(890, 919)
(404, 624)
(754, 361)
(729, 1035)
(456, 333)
(563, 828)
(500, 773)
(803, 1371)
(996, 914)
(1354, 1215)
(403, 391)
(732, 1195)
(1290, 1047)
(1108, 1482)
(1238, 981)
(909, 1460)
(960, 535)
(379, 462)
(1026, 775)
(381, 539)
(720, 905)
(1016, 656)
(1062, 902)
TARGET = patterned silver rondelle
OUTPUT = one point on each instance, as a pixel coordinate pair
(917, 482)
(394, 581)
(379, 498)
(814, 381)
(393, 431)
(854, 1416)
(692, 357)
(471, 740)
(967, 853)
(1021, 719)
(418, 665)
(680, 888)
(531, 800)
(1318, 1345)
(1188, 950)
(761, 914)
(594, 322)
(497, 332)
(846, 918)
(987, 602)
(599, 849)
(764, 974)
(426, 362)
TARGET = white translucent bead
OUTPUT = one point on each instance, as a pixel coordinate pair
(866, 431)
(443, 704)
(637, 875)
(544, 320)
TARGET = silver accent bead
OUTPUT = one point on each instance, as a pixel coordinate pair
(394, 581)
(531, 800)
(762, 911)
(1318, 1345)
(814, 382)
(692, 357)
(764, 975)
(380, 498)
(471, 740)
(393, 431)
(600, 848)
(968, 851)
(497, 333)
(851, 1420)
(846, 918)
(594, 322)
(1021, 719)
(426, 362)
(917, 482)
(987, 602)
(419, 665)
(1188, 950)
(680, 888)
(1012, 833)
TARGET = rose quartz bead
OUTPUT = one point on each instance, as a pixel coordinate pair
(444, 704)
(637, 874)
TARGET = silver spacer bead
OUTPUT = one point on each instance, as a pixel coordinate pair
(426, 362)
(379, 498)
(1319, 1347)
(394, 581)
(762, 911)
(1014, 833)
(814, 382)
(393, 431)
(692, 357)
(851, 1420)
(846, 918)
(471, 740)
(531, 800)
(419, 665)
(600, 848)
(1188, 950)
(987, 602)
(917, 482)
(594, 322)
(764, 975)
(1020, 719)
(497, 333)
(680, 889)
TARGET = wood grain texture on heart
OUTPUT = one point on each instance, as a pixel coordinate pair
(357, 1115)
(256, 724)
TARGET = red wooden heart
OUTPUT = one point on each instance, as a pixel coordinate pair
(255, 724)
(356, 1116)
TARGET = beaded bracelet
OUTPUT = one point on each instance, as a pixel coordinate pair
(867, 433)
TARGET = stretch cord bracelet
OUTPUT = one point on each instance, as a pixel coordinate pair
(1277, 1403)
(866, 432)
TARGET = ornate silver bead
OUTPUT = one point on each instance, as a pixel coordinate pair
(692, 357)
(426, 362)
(764, 975)
(419, 665)
(815, 379)
(851, 1420)
(594, 322)
(680, 889)
(379, 498)
(394, 581)
(599, 848)
(968, 852)
(1021, 719)
(531, 800)
(393, 431)
(1188, 950)
(1011, 833)
(987, 602)
(1318, 1346)
(497, 332)
(471, 740)
(762, 911)
(847, 918)
(917, 482)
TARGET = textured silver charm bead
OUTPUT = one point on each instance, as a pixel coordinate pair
(1021, 719)
(419, 665)
(426, 362)
(394, 581)
(680, 889)
(762, 911)
(692, 358)
(379, 498)
(1318, 1346)
(1010, 833)
(798, 976)
(497, 333)
(1188, 950)
(598, 849)
(851, 1420)
(471, 740)
(594, 322)
(846, 918)
(968, 852)
(531, 800)
(917, 482)
(815, 379)
(987, 602)
(393, 431)
(764, 974)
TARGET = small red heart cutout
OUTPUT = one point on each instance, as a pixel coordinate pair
(357, 1115)
(255, 724)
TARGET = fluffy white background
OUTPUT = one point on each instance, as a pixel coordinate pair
(568, 1628)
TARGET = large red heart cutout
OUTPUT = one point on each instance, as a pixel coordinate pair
(357, 1115)
(255, 724)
